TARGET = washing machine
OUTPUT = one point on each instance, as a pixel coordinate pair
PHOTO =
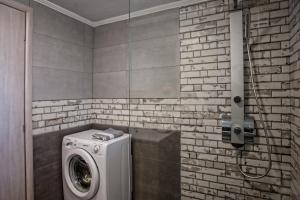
(96, 165)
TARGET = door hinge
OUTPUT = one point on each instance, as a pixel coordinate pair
(24, 128)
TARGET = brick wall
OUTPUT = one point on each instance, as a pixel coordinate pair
(209, 169)
(295, 96)
(48, 116)
(144, 113)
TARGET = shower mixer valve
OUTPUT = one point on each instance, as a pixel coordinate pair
(247, 131)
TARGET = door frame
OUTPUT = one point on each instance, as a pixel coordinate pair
(28, 151)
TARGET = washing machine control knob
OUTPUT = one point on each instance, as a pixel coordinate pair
(96, 148)
(68, 143)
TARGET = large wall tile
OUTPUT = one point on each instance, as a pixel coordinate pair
(156, 25)
(62, 56)
(111, 59)
(25, 2)
(53, 53)
(162, 145)
(111, 34)
(159, 52)
(155, 180)
(89, 36)
(154, 44)
(155, 83)
(111, 85)
(47, 163)
(156, 161)
(49, 84)
(57, 25)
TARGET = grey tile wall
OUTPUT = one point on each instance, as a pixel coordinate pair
(62, 56)
(54, 24)
(111, 84)
(111, 64)
(60, 84)
(111, 59)
(52, 53)
(26, 2)
(156, 155)
(156, 161)
(47, 163)
(111, 34)
(153, 54)
(155, 82)
(155, 25)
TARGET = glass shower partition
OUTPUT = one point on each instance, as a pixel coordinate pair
(154, 100)
(180, 86)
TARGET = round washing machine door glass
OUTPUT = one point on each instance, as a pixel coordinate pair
(81, 174)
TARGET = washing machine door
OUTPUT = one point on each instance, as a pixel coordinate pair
(81, 174)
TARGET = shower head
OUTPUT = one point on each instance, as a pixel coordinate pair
(236, 5)
(247, 24)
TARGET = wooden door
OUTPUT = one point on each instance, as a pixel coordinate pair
(12, 103)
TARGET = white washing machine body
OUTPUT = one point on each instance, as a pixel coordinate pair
(94, 169)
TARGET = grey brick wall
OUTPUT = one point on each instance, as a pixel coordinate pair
(295, 95)
(209, 169)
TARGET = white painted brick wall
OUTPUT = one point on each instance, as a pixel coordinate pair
(48, 116)
(147, 113)
(205, 80)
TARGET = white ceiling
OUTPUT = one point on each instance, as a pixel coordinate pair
(97, 10)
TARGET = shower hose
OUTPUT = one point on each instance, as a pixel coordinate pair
(262, 122)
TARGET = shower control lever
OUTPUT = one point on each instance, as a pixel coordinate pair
(245, 130)
(237, 99)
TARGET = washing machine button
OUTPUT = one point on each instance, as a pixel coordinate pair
(68, 143)
(96, 149)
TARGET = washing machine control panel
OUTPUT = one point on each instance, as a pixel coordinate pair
(95, 148)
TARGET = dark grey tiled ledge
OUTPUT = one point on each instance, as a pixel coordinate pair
(156, 163)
